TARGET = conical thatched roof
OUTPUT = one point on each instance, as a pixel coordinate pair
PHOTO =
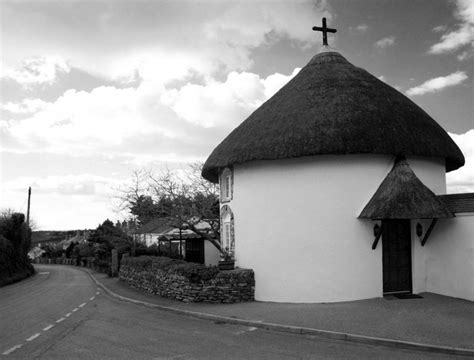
(403, 196)
(333, 107)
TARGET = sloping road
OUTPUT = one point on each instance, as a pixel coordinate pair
(60, 314)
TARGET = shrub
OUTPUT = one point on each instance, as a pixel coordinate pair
(15, 241)
(195, 273)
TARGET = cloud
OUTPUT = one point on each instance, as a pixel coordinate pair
(69, 201)
(465, 55)
(462, 180)
(385, 42)
(439, 28)
(26, 106)
(438, 84)
(361, 28)
(80, 184)
(147, 122)
(156, 41)
(463, 35)
(37, 71)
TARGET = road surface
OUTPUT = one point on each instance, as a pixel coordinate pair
(61, 314)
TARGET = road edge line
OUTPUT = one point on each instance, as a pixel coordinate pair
(370, 340)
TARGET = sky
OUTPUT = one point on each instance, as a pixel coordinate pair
(92, 90)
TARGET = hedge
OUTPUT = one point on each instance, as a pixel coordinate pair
(194, 272)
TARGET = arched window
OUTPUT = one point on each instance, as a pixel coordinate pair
(227, 184)
(227, 229)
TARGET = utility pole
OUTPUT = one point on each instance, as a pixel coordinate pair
(28, 211)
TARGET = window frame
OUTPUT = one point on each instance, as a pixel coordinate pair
(226, 181)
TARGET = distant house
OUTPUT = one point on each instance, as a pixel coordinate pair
(184, 243)
(150, 232)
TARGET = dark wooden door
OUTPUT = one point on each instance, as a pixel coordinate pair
(195, 250)
(396, 248)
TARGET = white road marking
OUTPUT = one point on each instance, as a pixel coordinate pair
(253, 329)
(44, 273)
(68, 314)
(74, 310)
(97, 293)
(82, 305)
(31, 338)
(48, 327)
(12, 349)
(60, 320)
(92, 298)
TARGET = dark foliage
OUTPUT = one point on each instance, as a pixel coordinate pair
(15, 241)
(195, 273)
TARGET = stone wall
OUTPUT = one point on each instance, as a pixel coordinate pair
(226, 287)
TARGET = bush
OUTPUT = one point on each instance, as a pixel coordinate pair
(15, 241)
(195, 273)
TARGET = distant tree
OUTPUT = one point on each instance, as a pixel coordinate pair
(184, 197)
(145, 209)
(15, 242)
(108, 237)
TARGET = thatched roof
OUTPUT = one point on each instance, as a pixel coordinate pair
(333, 107)
(403, 196)
(156, 226)
(459, 203)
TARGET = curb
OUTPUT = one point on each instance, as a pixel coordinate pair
(361, 339)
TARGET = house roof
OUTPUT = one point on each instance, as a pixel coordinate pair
(156, 226)
(334, 107)
(401, 195)
(459, 203)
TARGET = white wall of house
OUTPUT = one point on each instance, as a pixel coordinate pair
(296, 225)
(151, 239)
(446, 262)
(211, 254)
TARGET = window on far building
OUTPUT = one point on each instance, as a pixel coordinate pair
(227, 229)
(226, 182)
(227, 238)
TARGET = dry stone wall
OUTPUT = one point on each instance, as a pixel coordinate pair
(226, 287)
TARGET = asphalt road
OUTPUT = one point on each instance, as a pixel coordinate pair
(60, 314)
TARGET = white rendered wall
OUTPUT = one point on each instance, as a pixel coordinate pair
(446, 262)
(296, 225)
(432, 174)
(211, 254)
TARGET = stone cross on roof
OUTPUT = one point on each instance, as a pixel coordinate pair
(324, 30)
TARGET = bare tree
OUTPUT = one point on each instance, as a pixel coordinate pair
(182, 196)
(189, 200)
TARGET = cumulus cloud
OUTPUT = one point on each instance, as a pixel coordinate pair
(438, 84)
(26, 106)
(385, 42)
(146, 122)
(462, 180)
(463, 35)
(37, 71)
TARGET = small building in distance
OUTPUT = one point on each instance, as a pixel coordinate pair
(184, 243)
(329, 192)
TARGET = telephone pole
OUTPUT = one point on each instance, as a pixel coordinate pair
(28, 211)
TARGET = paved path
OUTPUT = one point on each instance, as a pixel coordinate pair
(36, 324)
(434, 320)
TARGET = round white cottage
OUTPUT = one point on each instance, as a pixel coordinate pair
(297, 175)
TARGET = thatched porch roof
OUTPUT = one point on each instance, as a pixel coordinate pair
(401, 195)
